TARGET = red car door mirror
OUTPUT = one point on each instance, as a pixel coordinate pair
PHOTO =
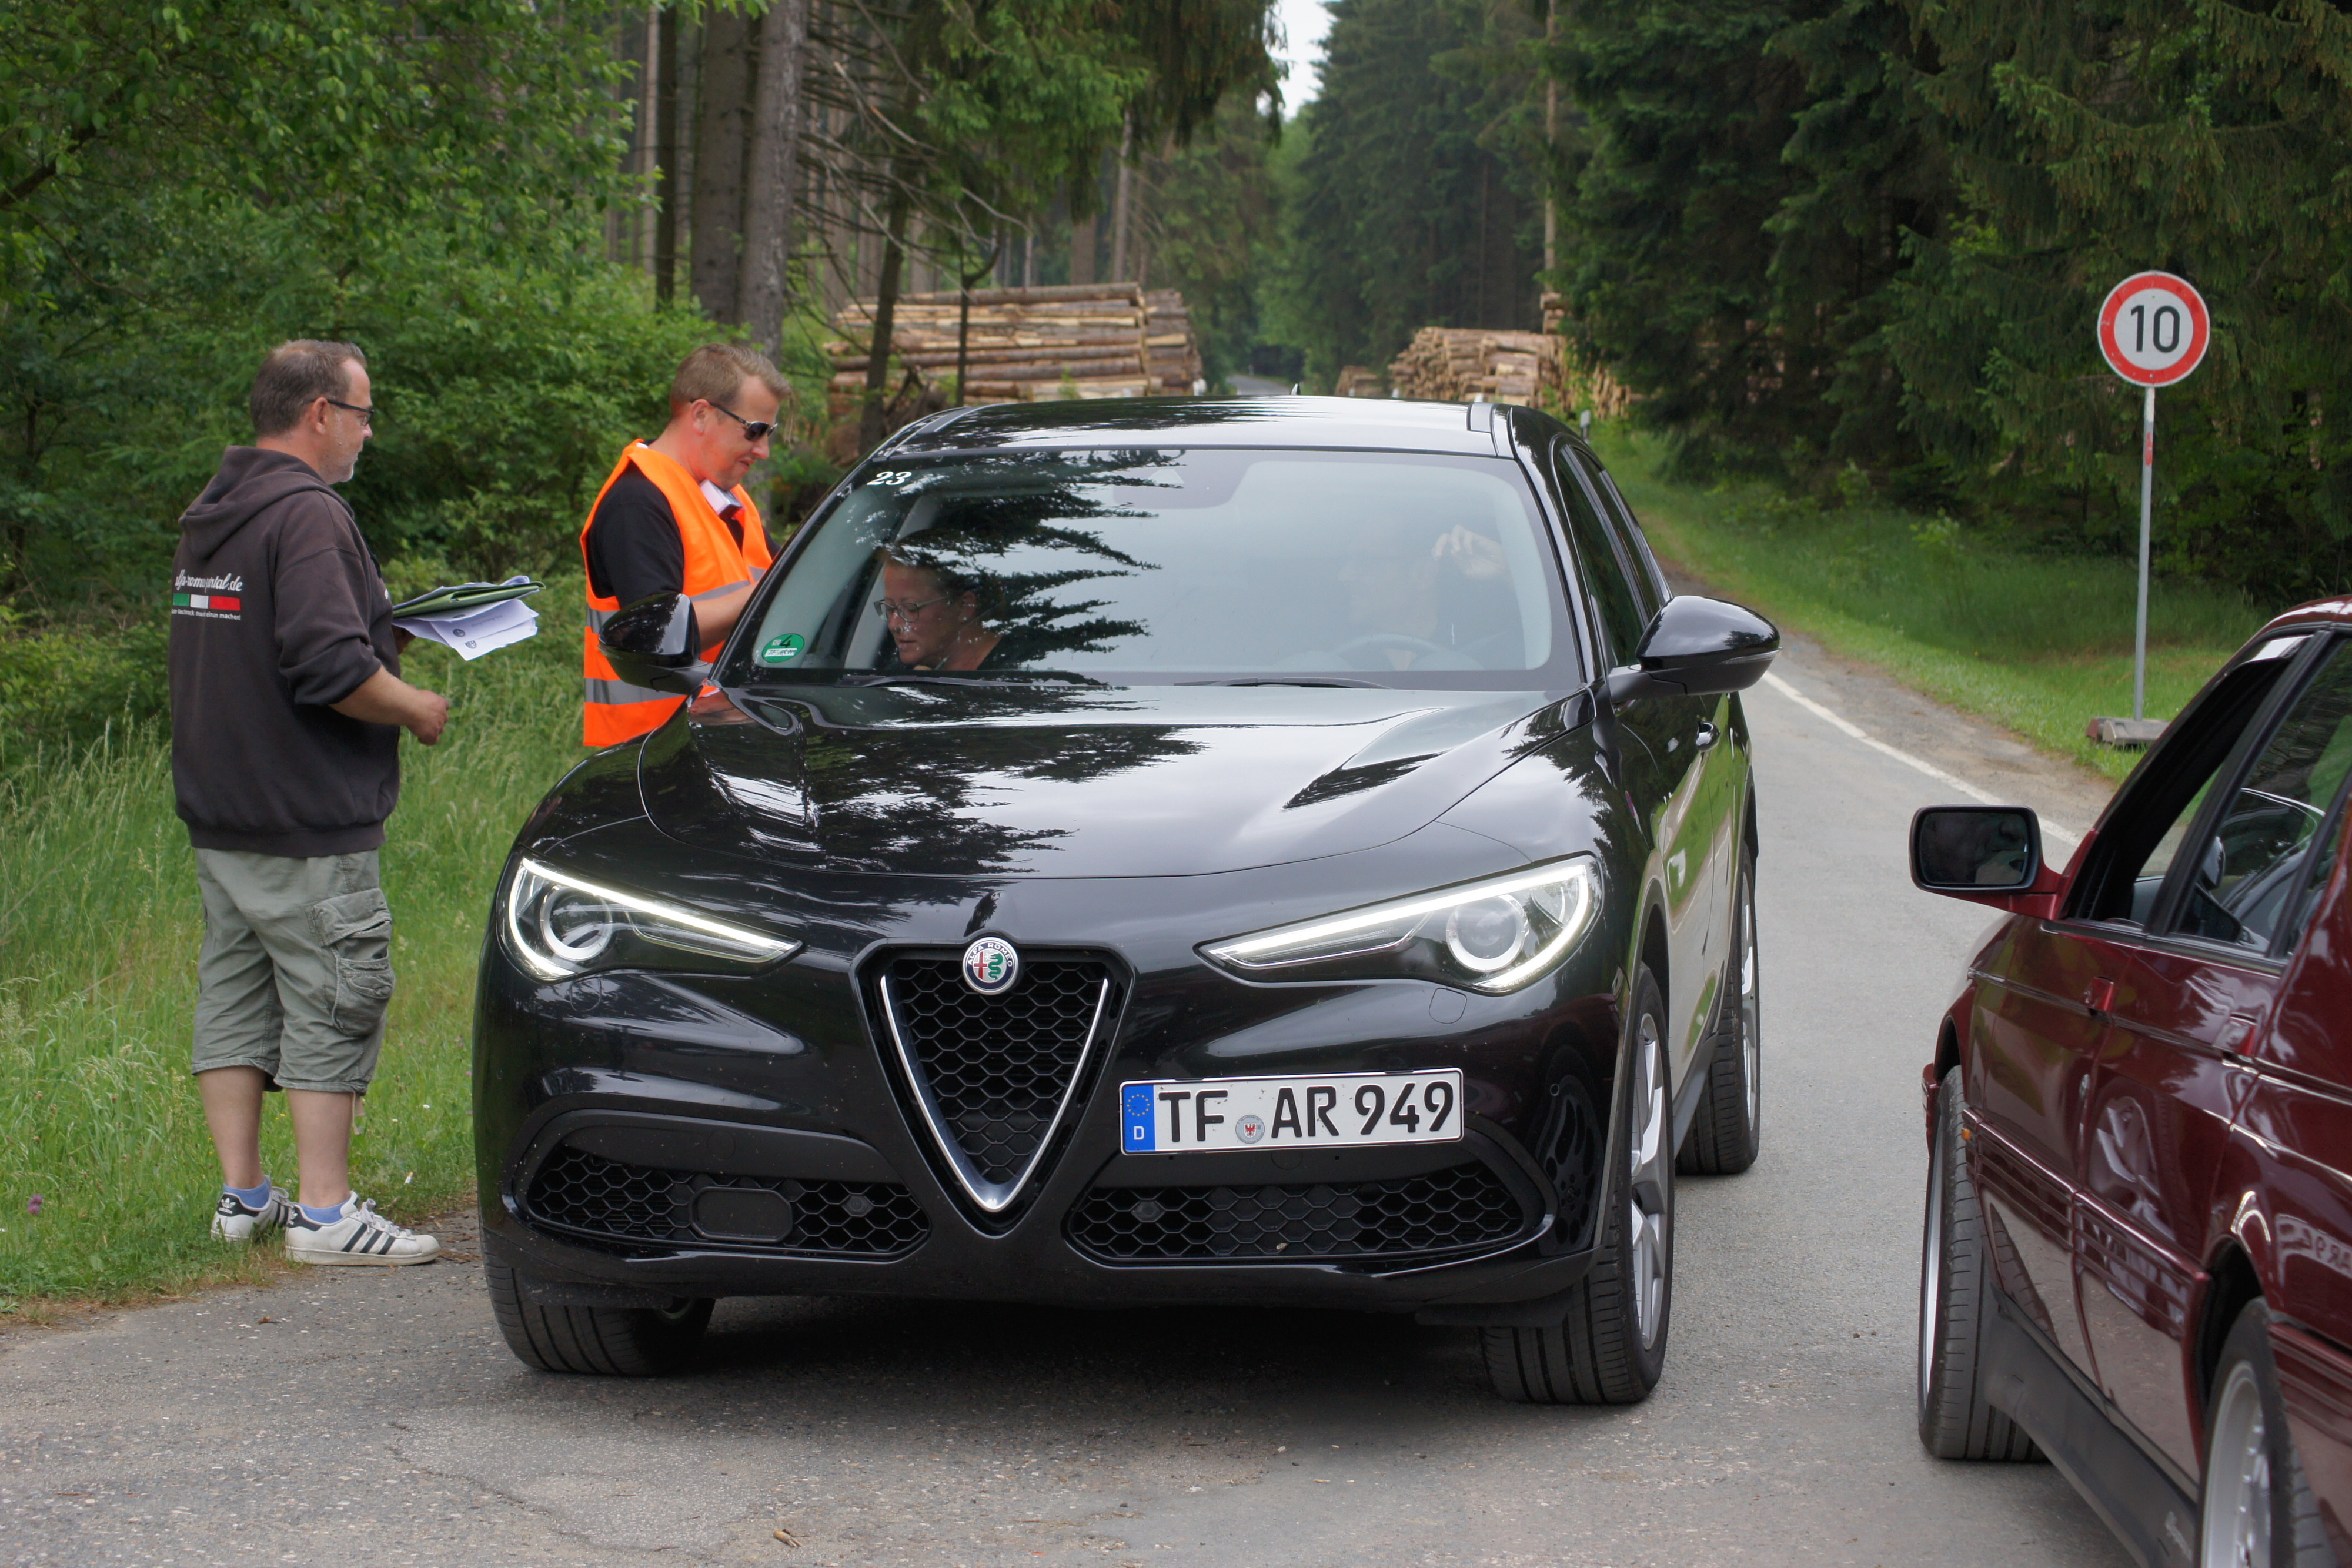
(1986, 854)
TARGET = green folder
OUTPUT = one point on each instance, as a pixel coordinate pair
(457, 599)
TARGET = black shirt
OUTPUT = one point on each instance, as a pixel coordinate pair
(634, 550)
(1001, 655)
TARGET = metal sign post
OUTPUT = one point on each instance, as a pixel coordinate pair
(2147, 514)
(2153, 330)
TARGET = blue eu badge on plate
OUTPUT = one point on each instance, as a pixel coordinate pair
(1135, 1119)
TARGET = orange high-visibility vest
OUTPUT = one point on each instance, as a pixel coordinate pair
(715, 565)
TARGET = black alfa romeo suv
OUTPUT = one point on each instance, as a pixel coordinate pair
(1280, 851)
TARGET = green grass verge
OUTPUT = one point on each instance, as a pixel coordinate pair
(2038, 645)
(99, 927)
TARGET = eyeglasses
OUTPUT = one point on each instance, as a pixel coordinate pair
(754, 429)
(905, 610)
(367, 415)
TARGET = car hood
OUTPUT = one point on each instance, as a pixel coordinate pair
(1095, 781)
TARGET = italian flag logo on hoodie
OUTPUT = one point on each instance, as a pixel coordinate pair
(217, 595)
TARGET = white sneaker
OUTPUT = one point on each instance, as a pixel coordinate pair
(232, 1221)
(360, 1236)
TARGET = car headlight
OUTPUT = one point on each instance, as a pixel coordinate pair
(559, 925)
(1494, 934)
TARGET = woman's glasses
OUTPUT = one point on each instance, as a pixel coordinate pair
(905, 610)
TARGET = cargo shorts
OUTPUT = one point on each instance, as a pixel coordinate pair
(296, 968)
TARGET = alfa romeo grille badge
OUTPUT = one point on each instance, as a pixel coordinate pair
(991, 966)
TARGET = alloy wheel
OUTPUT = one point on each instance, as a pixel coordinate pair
(1646, 1216)
(2237, 1527)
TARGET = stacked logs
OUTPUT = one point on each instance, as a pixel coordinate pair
(1173, 357)
(1468, 364)
(1589, 386)
(1465, 364)
(1355, 380)
(1024, 345)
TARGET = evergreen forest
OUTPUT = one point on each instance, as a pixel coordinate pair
(1845, 248)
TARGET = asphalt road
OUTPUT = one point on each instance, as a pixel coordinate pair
(361, 1417)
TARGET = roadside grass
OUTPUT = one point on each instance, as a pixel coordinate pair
(99, 927)
(2038, 645)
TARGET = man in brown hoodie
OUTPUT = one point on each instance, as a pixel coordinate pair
(286, 708)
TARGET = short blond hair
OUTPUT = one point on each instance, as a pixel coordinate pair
(714, 373)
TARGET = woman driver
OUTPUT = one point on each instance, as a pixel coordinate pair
(935, 624)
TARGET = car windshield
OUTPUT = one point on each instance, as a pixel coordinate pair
(1159, 564)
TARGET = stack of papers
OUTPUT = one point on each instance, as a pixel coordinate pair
(471, 617)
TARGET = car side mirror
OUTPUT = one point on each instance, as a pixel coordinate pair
(1986, 854)
(1699, 647)
(654, 643)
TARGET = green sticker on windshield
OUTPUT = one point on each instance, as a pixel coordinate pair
(783, 650)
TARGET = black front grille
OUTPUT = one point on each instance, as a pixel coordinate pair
(1447, 1210)
(580, 1191)
(997, 1067)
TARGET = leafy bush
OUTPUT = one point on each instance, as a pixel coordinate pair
(64, 687)
(506, 388)
(506, 397)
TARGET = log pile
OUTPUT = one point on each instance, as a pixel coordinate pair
(1595, 388)
(1466, 365)
(1025, 345)
(1355, 380)
(1173, 357)
(1588, 386)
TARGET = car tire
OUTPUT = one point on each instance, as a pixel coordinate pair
(607, 1342)
(1728, 1131)
(1609, 1346)
(2258, 1511)
(1955, 1306)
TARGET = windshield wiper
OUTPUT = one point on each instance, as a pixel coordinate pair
(1286, 681)
(924, 678)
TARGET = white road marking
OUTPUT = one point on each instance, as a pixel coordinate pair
(2050, 830)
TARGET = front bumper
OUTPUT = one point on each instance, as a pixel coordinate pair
(646, 1137)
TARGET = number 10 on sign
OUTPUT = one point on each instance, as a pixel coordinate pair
(2153, 329)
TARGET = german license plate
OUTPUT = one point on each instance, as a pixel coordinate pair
(1331, 1111)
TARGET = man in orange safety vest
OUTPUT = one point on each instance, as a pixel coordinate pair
(673, 518)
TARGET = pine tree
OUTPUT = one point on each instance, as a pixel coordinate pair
(1668, 249)
(1869, 177)
(2093, 138)
(1403, 214)
(1209, 220)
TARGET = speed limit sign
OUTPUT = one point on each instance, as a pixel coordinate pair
(2153, 329)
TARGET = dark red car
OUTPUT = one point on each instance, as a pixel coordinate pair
(2138, 1248)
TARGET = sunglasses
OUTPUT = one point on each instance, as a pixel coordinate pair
(367, 415)
(754, 429)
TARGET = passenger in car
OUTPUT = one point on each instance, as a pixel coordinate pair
(1431, 606)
